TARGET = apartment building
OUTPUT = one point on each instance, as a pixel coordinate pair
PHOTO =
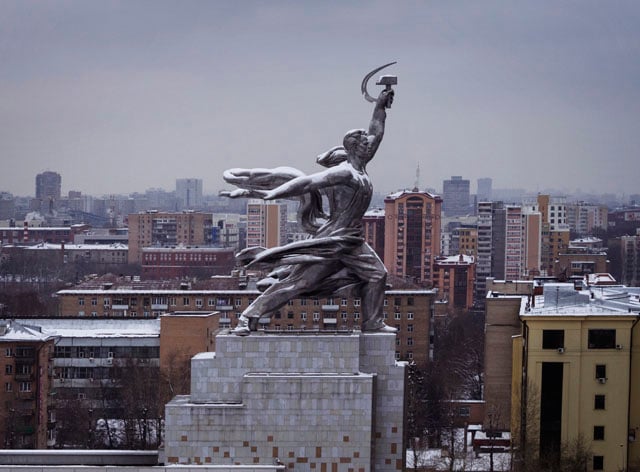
(454, 279)
(574, 375)
(374, 228)
(412, 235)
(164, 229)
(455, 196)
(27, 416)
(111, 297)
(560, 363)
(189, 193)
(181, 262)
(266, 224)
(585, 218)
(484, 253)
(630, 249)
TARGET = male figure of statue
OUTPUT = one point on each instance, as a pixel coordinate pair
(336, 257)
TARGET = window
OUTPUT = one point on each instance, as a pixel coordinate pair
(8, 352)
(343, 302)
(410, 301)
(25, 386)
(410, 328)
(211, 302)
(598, 462)
(303, 315)
(552, 338)
(464, 411)
(199, 302)
(316, 316)
(343, 315)
(397, 316)
(81, 301)
(94, 301)
(356, 302)
(601, 371)
(386, 302)
(8, 369)
(397, 301)
(185, 301)
(602, 339)
(106, 302)
(8, 387)
(356, 315)
(238, 301)
(598, 433)
(290, 315)
(410, 316)
(599, 402)
(409, 341)
(316, 302)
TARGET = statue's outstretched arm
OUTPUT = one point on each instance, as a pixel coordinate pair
(308, 183)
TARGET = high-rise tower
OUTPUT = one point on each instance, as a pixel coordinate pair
(189, 193)
(412, 235)
(455, 196)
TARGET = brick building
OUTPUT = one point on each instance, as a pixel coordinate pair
(412, 235)
(163, 229)
(180, 262)
(454, 278)
(27, 416)
(115, 297)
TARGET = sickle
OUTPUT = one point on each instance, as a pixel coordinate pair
(363, 87)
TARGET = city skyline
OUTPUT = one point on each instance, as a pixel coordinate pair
(118, 98)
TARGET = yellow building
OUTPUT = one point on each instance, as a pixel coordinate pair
(576, 375)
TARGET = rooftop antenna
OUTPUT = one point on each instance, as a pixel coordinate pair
(416, 184)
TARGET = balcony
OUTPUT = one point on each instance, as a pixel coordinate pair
(224, 307)
(119, 307)
(159, 306)
(330, 307)
(23, 377)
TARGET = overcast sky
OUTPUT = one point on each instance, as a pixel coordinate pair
(121, 96)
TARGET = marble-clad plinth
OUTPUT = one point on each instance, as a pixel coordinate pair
(313, 401)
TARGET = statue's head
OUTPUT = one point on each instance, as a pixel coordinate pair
(353, 139)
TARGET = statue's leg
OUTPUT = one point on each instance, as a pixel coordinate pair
(368, 267)
(302, 280)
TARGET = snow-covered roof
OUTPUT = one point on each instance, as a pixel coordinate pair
(461, 259)
(402, 193)
(18, 332)
(80, 247)
(96, 327)
(374, 212)
(603, 300)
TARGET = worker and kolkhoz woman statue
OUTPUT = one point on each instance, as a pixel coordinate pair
(335, 257)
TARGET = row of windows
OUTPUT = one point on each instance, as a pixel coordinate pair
(20, 369)
(22, 386)
(136, 352)
(172, 301)
(597, 339)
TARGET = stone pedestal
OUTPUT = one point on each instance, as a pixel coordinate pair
(314, 402)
